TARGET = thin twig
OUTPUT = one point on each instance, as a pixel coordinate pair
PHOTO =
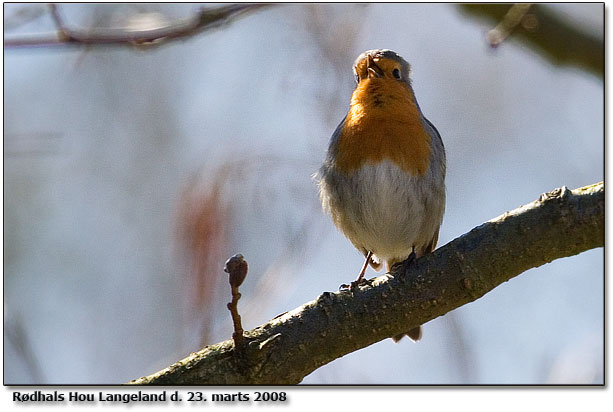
(237, 335)
(62, 32)
(237, 268)
(206, 19)
(507, 25)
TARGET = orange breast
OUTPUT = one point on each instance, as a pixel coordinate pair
(383, 123)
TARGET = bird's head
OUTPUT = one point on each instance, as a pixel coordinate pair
(381, 64)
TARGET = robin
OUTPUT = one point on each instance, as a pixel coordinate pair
(383, 179)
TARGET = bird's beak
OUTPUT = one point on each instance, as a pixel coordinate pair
(372, 68)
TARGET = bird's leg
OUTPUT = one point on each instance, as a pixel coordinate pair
(361, 276)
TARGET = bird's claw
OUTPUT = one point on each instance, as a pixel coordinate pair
(353, 285)
(356, 283)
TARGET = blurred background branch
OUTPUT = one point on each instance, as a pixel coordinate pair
(24, 15)
(155, 32)
(16, 335)
(557, 40)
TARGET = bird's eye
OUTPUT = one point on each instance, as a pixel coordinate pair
(396, 73)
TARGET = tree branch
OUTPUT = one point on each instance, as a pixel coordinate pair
(283, 351)
(552, 37)
(206, 19)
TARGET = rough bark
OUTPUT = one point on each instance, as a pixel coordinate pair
(283, 351)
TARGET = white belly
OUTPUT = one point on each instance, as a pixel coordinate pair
(384, 209)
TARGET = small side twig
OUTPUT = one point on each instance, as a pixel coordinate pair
(237, 268)
(555, 38)
(507, 25)
(62, 32)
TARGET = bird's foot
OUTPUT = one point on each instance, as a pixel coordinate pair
(353, 285)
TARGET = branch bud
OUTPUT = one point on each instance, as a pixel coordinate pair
(237, 268)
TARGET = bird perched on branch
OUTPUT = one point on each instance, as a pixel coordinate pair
(383, 179)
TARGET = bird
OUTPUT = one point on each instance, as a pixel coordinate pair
(383, 178)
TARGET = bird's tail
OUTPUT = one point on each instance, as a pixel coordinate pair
(415, 333)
